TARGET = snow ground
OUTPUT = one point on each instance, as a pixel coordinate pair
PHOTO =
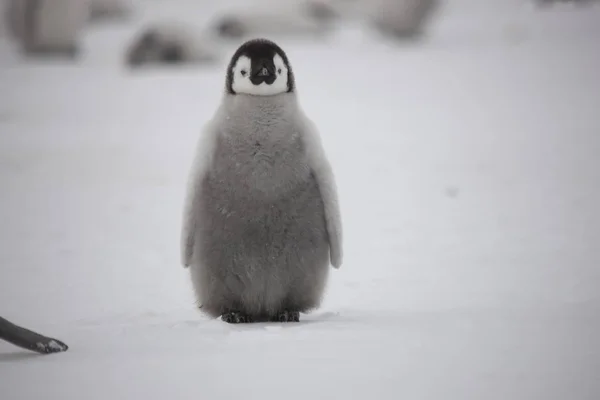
(469, 180)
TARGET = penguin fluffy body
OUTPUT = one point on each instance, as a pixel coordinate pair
(261, 219)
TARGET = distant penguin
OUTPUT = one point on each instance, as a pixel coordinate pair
(402, 19)
(48, 27)
(110, 9)
(11, 15)
(321, 10)
(310, 19)
(170, 43)
(261, 221)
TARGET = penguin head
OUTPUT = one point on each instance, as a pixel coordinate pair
(259, 67)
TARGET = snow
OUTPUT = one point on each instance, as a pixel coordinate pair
(469, 181)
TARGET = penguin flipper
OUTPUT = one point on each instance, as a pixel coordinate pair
(323, 173)
(188, 228)
(199, 169)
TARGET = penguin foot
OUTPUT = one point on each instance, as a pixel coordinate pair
(235, 317)
(287, 316)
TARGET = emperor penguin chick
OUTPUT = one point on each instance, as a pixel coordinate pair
(261, 220)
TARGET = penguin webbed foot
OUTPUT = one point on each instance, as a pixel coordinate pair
(235, 317)
(287, 316)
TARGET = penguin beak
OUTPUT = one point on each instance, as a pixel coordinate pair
(264, 72)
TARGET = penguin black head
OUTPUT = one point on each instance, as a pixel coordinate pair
(259, 67)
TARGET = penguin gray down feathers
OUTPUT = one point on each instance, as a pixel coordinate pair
(261, 219)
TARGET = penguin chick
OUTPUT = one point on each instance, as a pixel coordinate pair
(110, 10)
(261, 219)
(165, 43)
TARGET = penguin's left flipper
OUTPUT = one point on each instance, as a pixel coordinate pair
(325, 178)
(193, 196)
(29, 340)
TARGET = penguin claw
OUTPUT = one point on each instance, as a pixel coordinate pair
(235, 317)
(287, 316)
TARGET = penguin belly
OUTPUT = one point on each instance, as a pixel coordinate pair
(260, 254)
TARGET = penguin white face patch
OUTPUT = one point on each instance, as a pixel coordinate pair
(260, 77)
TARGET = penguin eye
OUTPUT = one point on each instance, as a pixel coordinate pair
(243, 72)
(279, 71)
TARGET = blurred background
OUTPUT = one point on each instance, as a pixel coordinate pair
(465, 139)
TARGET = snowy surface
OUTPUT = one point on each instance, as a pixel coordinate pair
(469, 177)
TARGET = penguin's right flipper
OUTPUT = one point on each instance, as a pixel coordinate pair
(325, 178)
(193, 196)
(29, 340)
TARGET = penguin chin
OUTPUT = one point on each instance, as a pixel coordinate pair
(263, 89)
